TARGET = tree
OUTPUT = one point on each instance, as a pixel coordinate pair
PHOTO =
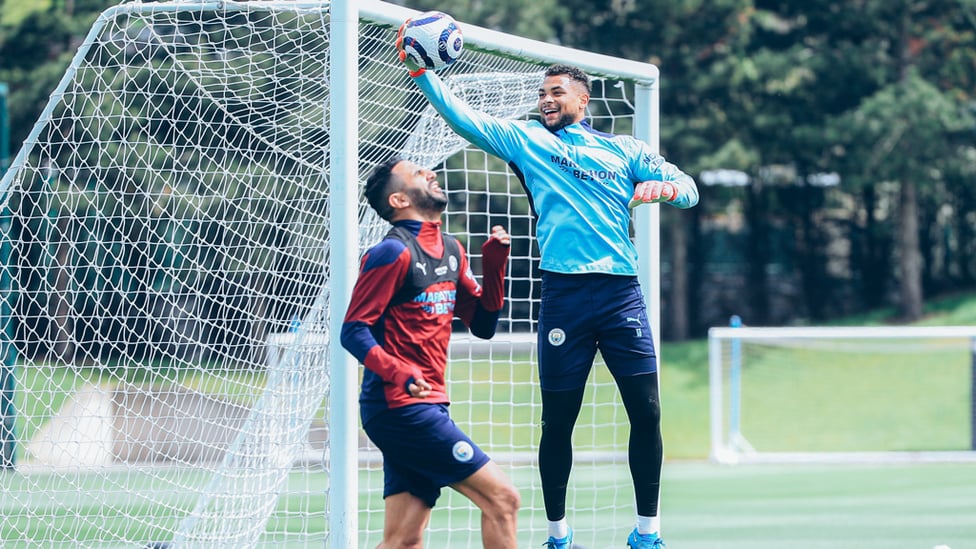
(808, 67)
(903, 131)
(902, 134)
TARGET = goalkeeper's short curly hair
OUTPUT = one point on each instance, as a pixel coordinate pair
(380, 185)
(574, 73)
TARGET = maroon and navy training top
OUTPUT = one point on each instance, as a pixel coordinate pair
(399, 319)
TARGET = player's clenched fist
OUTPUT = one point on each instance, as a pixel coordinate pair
(419, 388)
(649, 192)
(501, 235)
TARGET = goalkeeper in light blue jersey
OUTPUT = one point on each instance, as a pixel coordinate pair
(582, 185)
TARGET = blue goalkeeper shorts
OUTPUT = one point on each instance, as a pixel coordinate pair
(423, 450)
(583, 313)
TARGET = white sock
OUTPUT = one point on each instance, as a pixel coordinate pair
(648, 525)
(559, 528)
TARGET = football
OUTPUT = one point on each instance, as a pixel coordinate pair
(433, 40)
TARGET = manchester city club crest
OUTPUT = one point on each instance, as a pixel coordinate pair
(557, 337)
(462, 451)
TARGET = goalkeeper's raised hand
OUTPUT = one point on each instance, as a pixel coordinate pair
(649, 192)
(412, 66)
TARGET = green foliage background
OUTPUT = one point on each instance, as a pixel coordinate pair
(879, 93)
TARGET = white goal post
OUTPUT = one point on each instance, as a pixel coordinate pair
(181, 230)
(842, 394)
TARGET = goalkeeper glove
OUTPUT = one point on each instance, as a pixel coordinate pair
(412, 66)
(649, 192)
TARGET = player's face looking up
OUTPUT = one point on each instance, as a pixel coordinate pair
(562, 101)
(418, 189)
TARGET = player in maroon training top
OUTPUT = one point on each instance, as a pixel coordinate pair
(411, 286)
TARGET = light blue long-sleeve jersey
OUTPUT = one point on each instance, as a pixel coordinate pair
(579, 181)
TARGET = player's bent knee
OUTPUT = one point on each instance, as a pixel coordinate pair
(502, 503)
(511, 499)
(410, 542)
(650, 415)
(404, 536)
(507, 502)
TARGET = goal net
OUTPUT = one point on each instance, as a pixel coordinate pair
(878, 394)
(166, 277)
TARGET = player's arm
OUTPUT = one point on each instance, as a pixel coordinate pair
(479, 306)
(493, 135)
(381, 274)
(496, 136)
(660, 181)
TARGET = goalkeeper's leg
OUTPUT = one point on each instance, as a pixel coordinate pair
(640, 398)
(567, 346)
(628, 349)
(559, 412)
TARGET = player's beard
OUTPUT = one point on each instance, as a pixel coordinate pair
(565, 119)
(427, 201)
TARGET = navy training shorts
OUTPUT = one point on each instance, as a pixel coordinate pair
(581, 313)
(423, 450)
